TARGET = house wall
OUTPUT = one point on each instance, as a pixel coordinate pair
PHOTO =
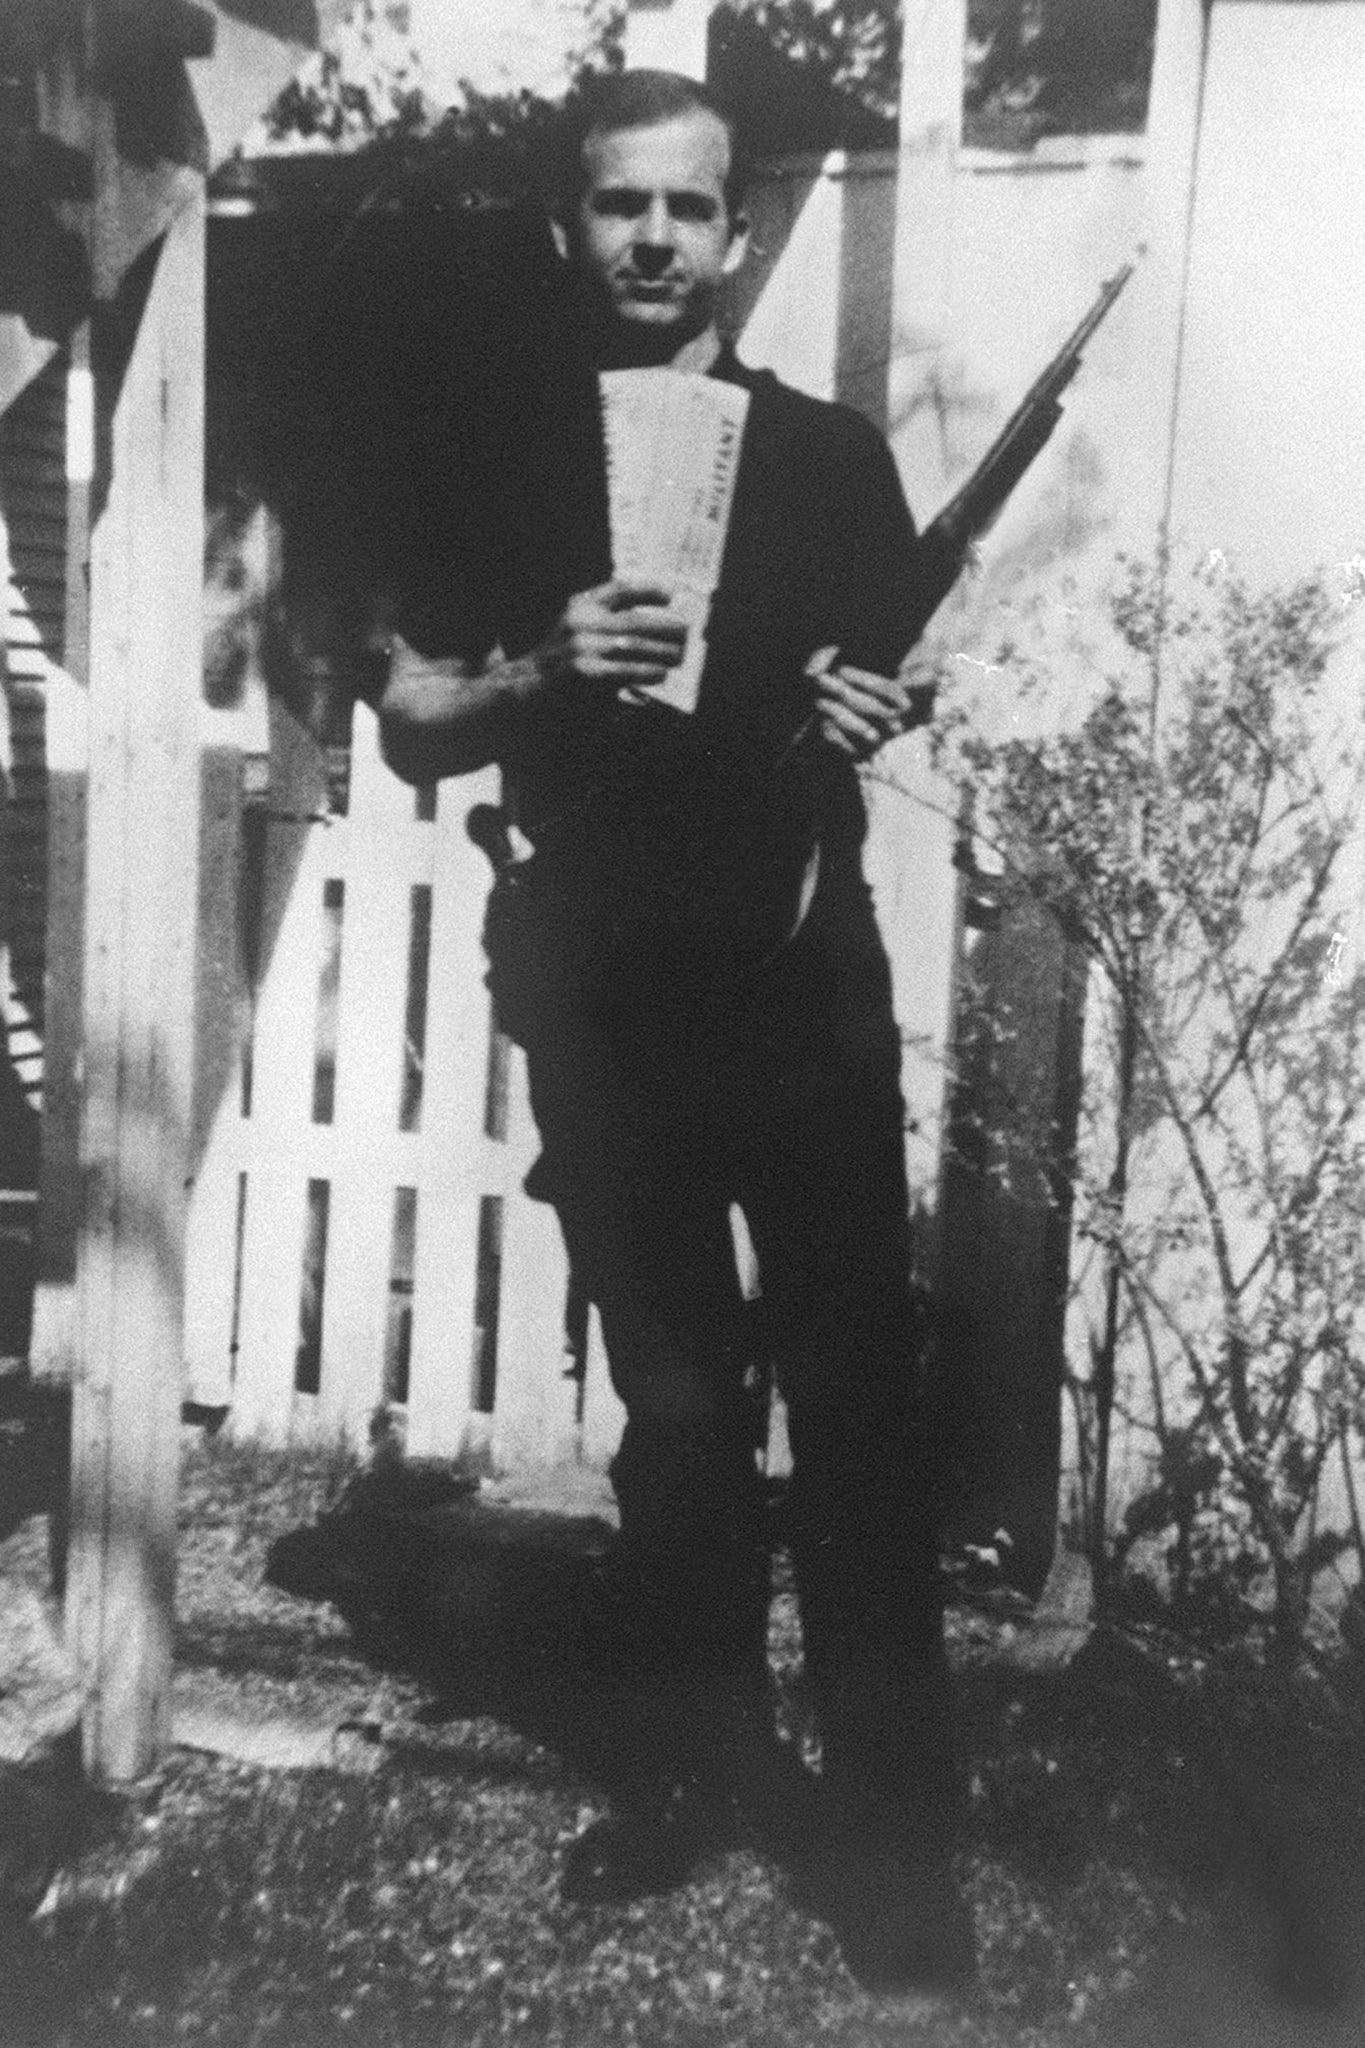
(1220, 399)
(1270, 420)
(1272, 403)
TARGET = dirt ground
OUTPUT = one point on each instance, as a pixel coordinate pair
(339, 1848)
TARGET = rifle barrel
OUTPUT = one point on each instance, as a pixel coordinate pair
(971, 509)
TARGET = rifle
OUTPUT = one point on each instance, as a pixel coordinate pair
(946, 544)
(518, 926)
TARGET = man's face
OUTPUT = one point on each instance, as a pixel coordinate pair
(653, 233)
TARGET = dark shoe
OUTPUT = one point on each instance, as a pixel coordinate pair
(636, 1855)
(778, 1804)
(901, 1922)
(912, 1946)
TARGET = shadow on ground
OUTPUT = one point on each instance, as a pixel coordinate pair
(1132, 1765)
(1160, 1852)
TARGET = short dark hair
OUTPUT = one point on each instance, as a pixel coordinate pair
(608, 101)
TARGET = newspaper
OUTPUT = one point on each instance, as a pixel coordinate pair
(673, 442)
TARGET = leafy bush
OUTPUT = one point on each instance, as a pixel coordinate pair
(1056, 67)
(1031, 67)
(1189, 834)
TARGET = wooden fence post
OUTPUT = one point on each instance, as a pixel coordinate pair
(141, 882)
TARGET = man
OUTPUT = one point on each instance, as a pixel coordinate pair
(706, 1007)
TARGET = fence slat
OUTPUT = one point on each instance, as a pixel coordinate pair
(380, 854)
(534, 1417)
(263, 1399)
(356, 1299)
(299, 858)
(603, 1413)
(211, 1258)
(327, 1077)
(454, 1149)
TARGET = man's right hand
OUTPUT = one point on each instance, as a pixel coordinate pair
(620, 634)
(441, 715)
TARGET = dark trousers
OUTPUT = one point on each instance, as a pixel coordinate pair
(785, 1100)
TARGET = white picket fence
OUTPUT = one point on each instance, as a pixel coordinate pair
(359, 1235)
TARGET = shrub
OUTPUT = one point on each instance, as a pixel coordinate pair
(1190, 835)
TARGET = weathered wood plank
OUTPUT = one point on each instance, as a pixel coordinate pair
(272, 1269)
(140, 900)
(535, 1419)
(378, 871)
(454, 1149)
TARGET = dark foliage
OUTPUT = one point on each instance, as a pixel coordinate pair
(1032, 67)
(1056, 67)
(35, 1441)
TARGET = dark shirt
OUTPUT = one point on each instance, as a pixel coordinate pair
(680, 842)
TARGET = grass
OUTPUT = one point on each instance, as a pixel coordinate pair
(408, 1897)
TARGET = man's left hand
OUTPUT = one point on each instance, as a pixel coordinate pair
(859, 711)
